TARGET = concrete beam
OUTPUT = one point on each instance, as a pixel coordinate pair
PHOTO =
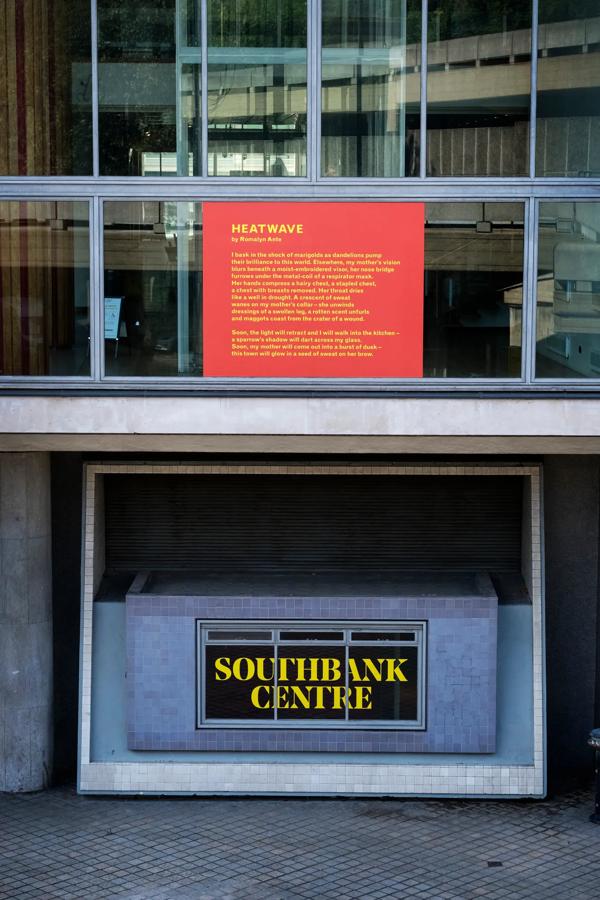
(299, 424)
(332, 444)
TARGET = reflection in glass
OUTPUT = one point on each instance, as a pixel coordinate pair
(153, 288)
(44, 288)
(257, 87)
(473, 290)
(149, 87)
(568, 100)
(374, 636)
(478, 87)
(311, 635)
(231, 635)
(568, 291)
(45, 88)
(370, 88)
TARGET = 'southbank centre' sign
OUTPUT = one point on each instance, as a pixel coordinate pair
(343, 683)
(311, 683)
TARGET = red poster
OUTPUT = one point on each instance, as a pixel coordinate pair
(308, 290)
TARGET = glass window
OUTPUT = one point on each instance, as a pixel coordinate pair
(153, 292)
(312, 635)
(370, 88)
(330, 677)
(45, 88)
(241, 635)
(568, 101)
(473, 290)
(152, 288)
(149, 87)
(568, 291)
(44, 288)
(478, 87)
(257, 87)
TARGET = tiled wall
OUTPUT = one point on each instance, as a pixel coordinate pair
(460, 682)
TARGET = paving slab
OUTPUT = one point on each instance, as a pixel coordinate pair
(57, 844)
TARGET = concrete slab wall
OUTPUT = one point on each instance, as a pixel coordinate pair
(25, 622)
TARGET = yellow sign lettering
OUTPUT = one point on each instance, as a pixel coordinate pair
(222, 666)
(255, 699)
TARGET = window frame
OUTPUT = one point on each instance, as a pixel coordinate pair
(418, 626)
(96, 189)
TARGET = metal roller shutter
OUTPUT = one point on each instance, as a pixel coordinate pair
(321, 523)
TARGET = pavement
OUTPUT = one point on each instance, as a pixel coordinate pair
(59, 845)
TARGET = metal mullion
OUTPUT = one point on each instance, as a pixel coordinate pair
(423, 100)
(342, 189)
(313, 92)
(99, 282)
(421, 649)
(347, 679)
(533, 87)
(95, 94)
(95, 311)
(525, 292)
(530, 294)
(201, 675)
(204, 88)
(179, 130)
(91, 282)
(275, 672)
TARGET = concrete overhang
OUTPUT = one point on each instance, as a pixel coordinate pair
(300, 424)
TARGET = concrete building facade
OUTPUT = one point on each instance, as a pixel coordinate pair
(257, 542)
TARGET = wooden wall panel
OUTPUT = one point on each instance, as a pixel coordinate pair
(35, 86)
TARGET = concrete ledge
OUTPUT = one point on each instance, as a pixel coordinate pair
(197, 424)
(332, 444)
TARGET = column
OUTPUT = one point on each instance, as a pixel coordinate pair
(25, 622)
(571, 522)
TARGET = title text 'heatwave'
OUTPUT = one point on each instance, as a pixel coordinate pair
(266, 228)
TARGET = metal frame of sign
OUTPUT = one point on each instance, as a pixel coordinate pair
(418, 626)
